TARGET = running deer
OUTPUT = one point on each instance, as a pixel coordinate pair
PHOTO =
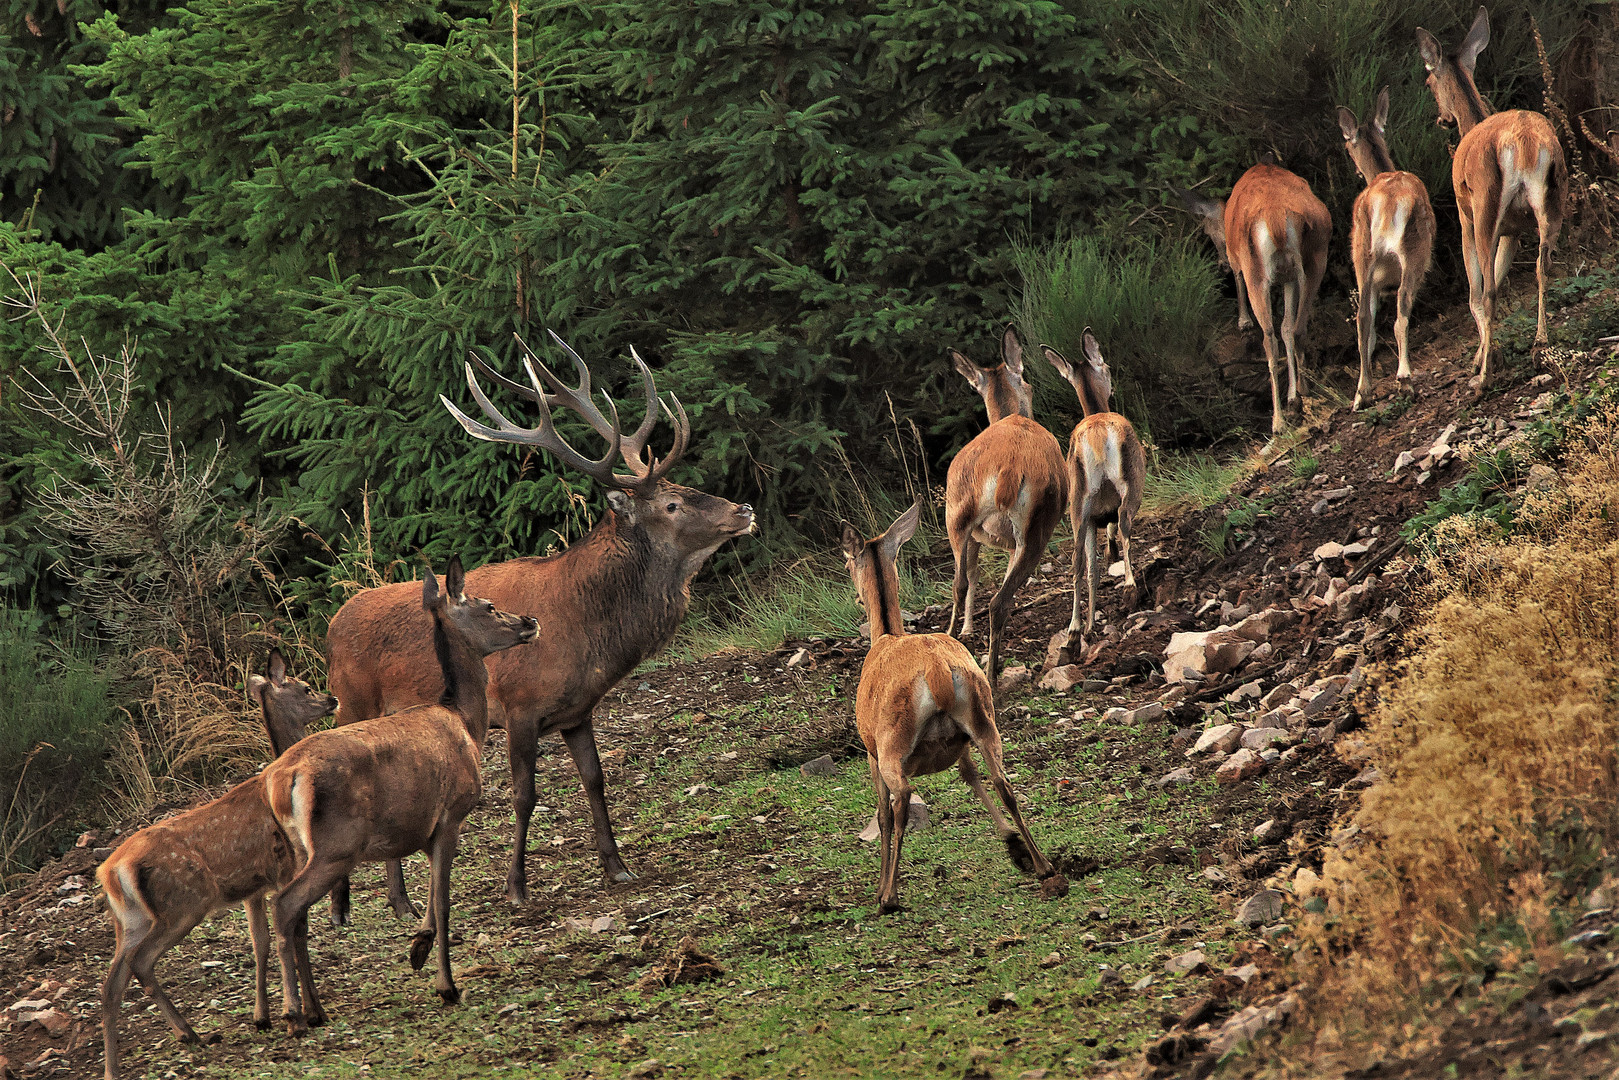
(1391, 238)
(1107, 468)
(167, 878)
(1006, 488)
(1272, 230)
(922, 704)
(389, 787)
(1509, 176)
(620, 594)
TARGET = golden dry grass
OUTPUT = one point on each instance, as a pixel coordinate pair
(1497, 740)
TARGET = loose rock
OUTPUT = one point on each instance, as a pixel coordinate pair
(1239, 766)
(1221, 739)
(1062, 679)
(1186, 962)
(821, 766)
(1263, 907)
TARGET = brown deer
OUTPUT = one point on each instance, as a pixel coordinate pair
(922, 704)
(620, 594)
(1509, 176)
(1107, 469)
(1272, 230)
(167, 878)
(391, 786)
(1006, 488)
(1391, 238)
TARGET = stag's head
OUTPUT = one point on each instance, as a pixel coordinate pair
(1450, 75)
(1365, 143)
(1002, 386)
(686, 522)
(1092, 380)
(476, 621)
(871, 565)
(1210, 214)
(290, 705)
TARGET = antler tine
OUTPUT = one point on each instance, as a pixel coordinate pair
(502, 381)
(682, 425)
(545, 436)
(600, 469)
(576, 398)
(635, 445)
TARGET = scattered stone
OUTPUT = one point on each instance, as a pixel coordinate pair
(1279, 695)
(1262, 624)
(1054, 887)
(1264, 738)
(1323, 701)
(1239, 766)
(1263, 907)
(1210, 652)
(1355, 550)
(1176, 778)
(1063, 679)
(1116, 715)
(648, 1068)
(1051, 960)
(1306, 883)
(1329, 550)
(1214, 875)
(1244, 974)
(1144, 983)
(1243, 1027)
(1270, 756)
(821, 766)
(1270, 832)
(1276, 718)
(1542, 477)
(1107, 978)
(1153, 710)
(1244, 692)
(798, 658)
(602, 924)
(1221, 739)
(29, 1005)
(1365, 778)
(1033, 1074)
(918, 818)
(1186, 963)
(1590, 939)
(1406, 458)
(55, 1022)
(1013, 679)
(508, 1009)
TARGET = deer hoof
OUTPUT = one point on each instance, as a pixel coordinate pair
(889, 907)
(625, 876)
(516, 891)
(451, 995)
(297, 1027)
(262, 1023)
(317, 1018)
(1019, 852)
(213, 1040)
(420, 946)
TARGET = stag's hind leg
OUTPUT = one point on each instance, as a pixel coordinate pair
(143, 963)
(581, 740)
(988, 741)
(1009, 836)
(1024, 558)
(258, 928)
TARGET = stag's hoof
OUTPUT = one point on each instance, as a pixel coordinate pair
(262, 1023)
(451, 995)
(317, 1018)
(420, 946)
(516, 891)
(297, 1026)
(624, 877)
(213, 1040)
(889, 907)
(1018, 851)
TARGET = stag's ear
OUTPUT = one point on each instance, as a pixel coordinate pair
(1093, 351)
(278, 667)
(1197, 205)
(622, 504)
(969, 370)
(851, 542)
(903, 529)
(430, 594)
(1477, 37)
(1012, 350)
(1433, 53)
(454, 580)
(1380, 118)
(1060, 362)
(256, 685)
(1347, 124)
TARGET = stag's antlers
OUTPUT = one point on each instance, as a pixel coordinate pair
(645, 469)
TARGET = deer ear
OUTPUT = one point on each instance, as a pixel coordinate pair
(1058, 361)
(430, 594)
(969, 370)
(1433, 54)
(903, 529)
(278, 667)
(1380, 118)
(851, 541)
(622, 504)
(255, 687)
(1477, 37)
(454, 579)
(1347, 124)
(1012, 350)
(1196, 205)
(1093, 351)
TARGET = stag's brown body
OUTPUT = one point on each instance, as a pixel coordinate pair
(1107, 472)
(615, 598)
(1509, 176)
(923, 703)
(391, 786)
(1006, 488)
(165, 879)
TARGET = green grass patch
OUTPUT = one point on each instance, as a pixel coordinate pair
(1181, 482)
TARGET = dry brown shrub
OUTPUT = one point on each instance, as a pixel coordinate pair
(1497, 739)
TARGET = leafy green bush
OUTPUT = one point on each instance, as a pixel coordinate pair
(56, 721)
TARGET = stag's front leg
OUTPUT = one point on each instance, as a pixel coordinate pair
(581, 740)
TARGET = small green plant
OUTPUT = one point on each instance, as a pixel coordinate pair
(1188, 482)
(1396, 407)
(1305, 466)
(1236, 525)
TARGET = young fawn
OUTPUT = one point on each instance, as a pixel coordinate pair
(1107, 468)
(923, 701)
(167, 878)
(389, 787)
(1006, 488)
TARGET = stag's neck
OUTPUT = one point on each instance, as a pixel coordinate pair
(466, 680)
(882, 605)
(1091, 400)
(1374, 160)
(1472, 109)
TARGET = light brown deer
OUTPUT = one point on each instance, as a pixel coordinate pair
(923, 703)
(1509, 176)
(1107, 469)
(617, 597)
(1006, 488)
(1272, 231)
(1391, 238)
(389, 787)
(167, 878)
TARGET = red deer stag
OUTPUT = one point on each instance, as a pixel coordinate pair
(620, 594)
(1509, 176)
(1107, 468)
(1006, 488)
(1391, 238)
(922, 704)
(1272, 230)
(389, 787)
(167, 878)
